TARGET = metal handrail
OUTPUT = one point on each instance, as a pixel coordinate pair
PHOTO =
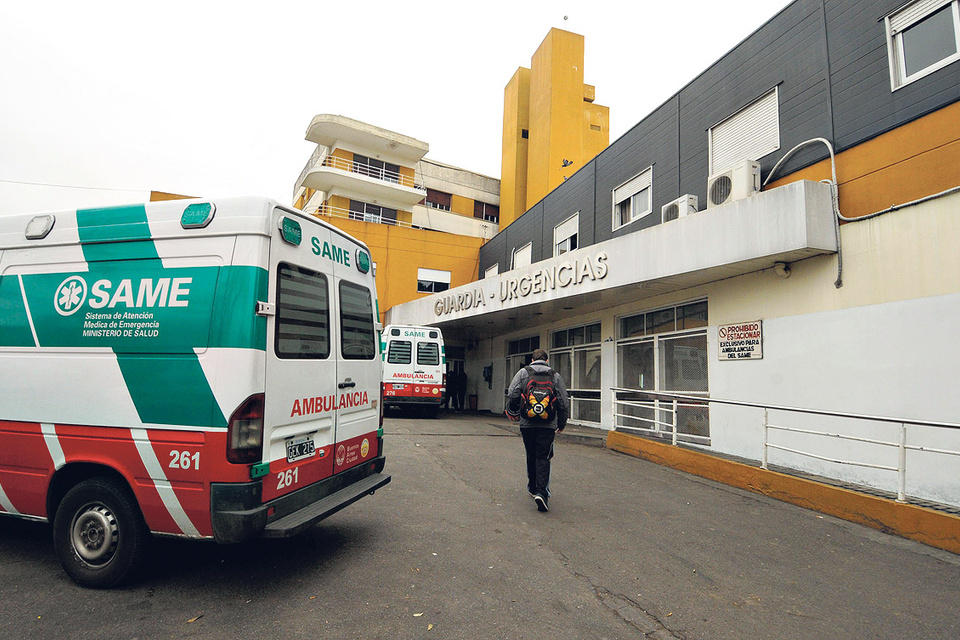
(901, 444)
(673, 404)
(340, 212)
(317, 153)
(323, 159)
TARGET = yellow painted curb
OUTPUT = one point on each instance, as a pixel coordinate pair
(934, 528)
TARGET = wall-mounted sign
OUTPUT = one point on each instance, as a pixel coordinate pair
(742, 341)
(531, 285)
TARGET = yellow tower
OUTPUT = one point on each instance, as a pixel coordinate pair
(551, 127)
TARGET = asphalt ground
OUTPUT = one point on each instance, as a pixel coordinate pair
(454, 547)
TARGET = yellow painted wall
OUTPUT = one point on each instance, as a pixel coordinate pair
(340, 153)
(915, 160)
(338, 202)
(563, 122)
(556, 99)
(160, 196)
(596, 132)
(513, 161)
(461, 205)
(400, 251)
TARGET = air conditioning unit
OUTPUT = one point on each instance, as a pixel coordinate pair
(739, 181)
(679, 208)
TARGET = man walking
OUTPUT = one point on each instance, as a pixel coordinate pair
(537, 399)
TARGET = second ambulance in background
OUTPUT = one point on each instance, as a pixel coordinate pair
(414, 366)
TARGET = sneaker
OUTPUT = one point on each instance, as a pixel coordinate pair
(541, 503)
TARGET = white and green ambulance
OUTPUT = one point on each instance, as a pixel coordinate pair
(206, 369)
(414, 368)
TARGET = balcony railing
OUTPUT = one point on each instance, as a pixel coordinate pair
(326, 210)
(321, 158)
(311, 163)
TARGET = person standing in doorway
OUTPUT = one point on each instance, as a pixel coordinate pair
(537, 399)
(450, 399)
(461, 388)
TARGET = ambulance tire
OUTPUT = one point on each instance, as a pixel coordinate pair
(98, 533)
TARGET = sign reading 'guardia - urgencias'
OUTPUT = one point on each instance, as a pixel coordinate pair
(550, 278)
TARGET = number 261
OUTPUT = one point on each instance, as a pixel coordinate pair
(185, 460)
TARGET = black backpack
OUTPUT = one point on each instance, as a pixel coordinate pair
(539, 396)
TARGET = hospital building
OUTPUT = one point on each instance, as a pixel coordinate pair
(779, 234)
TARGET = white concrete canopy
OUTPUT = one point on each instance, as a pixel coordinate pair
(786, 224)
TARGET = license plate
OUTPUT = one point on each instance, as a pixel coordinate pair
(398, 386)
(300, 447)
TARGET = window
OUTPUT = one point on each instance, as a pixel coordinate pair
(632, 199)
(521, 256)
(484, 211)
(922, 37)
(372, 213)
(358, 339)
(665, 350)
(399, 352)
(376, 168)
(492, 271)
(519, 354)
(565, 235)
(688, 316)
(749, 134)
(575, 355)
(428, 353)
(303, 314)
(438, 200)
(432, 280)
(523, 346)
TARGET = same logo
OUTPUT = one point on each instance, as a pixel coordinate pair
(70, 295)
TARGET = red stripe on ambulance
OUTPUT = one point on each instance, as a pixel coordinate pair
(25, 468)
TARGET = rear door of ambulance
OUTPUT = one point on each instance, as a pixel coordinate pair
(431, 361)
(358, 359)
(397, 363)
(310, 404)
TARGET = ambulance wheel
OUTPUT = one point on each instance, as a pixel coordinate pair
(98, 533)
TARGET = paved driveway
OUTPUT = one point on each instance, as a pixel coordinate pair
(455, 548)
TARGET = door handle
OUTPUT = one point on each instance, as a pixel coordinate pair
(346, 385)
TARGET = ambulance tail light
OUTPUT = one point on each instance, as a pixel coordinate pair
(381, 405)
(245, 432)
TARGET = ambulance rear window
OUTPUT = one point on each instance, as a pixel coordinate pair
(428, 353)
(303, 313)
(358, 338)
(399, 352)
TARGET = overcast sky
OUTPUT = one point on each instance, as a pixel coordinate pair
(102, 101)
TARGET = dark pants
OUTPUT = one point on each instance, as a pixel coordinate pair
(538, 442)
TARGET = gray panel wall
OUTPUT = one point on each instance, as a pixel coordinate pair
(828, 59)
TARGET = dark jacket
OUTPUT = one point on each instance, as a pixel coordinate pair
(516, 388)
